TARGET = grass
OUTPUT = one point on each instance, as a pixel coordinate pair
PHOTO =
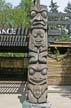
(11, 54)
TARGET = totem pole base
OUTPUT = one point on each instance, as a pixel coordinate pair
(27, 104)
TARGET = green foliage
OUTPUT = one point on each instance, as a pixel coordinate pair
(57, 52)
(11, 54)
(68, 8)
(19, 17)
(53, 7)
(15, 17)
(63, 37)
(6, 18)
(25, 6)
(4, 5)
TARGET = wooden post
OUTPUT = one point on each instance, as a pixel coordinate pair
(37, 70)
(36, 2)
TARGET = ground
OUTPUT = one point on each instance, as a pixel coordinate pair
(12, 95)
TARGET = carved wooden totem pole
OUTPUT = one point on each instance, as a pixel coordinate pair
(37, 69)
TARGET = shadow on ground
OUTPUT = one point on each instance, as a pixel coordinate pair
(14, 87)
(65, 91)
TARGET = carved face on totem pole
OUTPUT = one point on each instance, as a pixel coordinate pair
(37, 73)
(37, 39)
(39, 17)
(38, 77)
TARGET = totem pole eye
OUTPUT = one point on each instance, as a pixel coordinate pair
(44, 14)
(33, 14)
(31, 72)
(34, 34)
(44, 71)
(42, 35)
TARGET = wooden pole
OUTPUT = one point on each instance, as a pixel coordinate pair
(37, 69)
(36, 2)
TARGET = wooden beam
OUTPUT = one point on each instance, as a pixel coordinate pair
(54, 32)
(60, 44)
(59, 14)
(67, 22)
(36, 2)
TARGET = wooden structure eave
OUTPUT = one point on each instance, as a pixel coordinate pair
(59, 14)
(59, 44)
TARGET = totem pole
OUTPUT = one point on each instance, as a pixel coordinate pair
(37, 69)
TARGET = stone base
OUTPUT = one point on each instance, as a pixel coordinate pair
(31, 105)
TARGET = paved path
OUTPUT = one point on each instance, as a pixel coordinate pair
(12, 95)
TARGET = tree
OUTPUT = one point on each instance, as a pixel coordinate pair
(4, 11)
(53, 7)
(68, 8)
(4, 5)
(26, 6)
(64, 37)
(17, 16)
